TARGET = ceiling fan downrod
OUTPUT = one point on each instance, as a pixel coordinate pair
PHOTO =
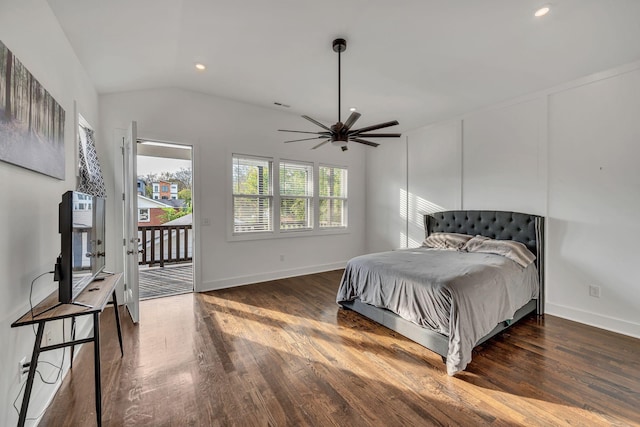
(339, 45)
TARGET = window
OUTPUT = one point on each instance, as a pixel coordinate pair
(165, 188)
(143, 215)
(333, 197)
(252, 194)
(284, 196)
(296, 196)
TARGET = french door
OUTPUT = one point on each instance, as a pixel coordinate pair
(130, 217)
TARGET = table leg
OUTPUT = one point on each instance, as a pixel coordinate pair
(32, 373)
(117, 313)
(96, 362)
(73, 338)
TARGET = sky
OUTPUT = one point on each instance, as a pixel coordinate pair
(147, 165)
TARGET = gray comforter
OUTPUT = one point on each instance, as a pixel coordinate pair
(459, 294)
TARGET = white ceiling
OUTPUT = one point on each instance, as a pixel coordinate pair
(416, 61)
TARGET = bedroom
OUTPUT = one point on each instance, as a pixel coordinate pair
(580, 167)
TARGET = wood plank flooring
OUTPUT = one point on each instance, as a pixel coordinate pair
(282, 353)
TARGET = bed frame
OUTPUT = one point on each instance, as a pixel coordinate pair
(525, 228)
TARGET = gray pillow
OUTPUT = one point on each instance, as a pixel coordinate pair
(446, 240)
(515, 251)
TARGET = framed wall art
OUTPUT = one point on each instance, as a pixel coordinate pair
(31, 121)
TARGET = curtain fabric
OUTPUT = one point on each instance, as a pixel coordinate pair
(91, 180)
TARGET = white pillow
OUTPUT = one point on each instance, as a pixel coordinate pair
(515, 251)
(446, 240)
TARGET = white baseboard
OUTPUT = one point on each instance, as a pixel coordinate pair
(264, 277)
(603, 322)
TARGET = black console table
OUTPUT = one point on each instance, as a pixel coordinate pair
(93, 298)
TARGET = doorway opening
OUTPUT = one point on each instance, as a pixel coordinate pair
(165, 225)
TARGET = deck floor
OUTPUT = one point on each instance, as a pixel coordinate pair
(158, 282)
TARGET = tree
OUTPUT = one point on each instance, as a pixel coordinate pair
(172, 213)
(185, 195)
(7, 107)
(183, 177)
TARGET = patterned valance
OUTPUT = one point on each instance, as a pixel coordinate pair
(91, 180)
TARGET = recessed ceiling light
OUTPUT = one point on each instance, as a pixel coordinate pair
(353, 109)
(542, 11)
(200, 66)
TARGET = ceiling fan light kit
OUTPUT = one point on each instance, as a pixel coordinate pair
(340, 134)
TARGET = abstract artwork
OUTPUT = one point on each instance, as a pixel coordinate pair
(31, 121)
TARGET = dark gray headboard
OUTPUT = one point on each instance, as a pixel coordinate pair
(500, 225)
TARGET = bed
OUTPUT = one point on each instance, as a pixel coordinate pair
(450, 301)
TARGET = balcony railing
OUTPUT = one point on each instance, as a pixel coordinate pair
(162, 244)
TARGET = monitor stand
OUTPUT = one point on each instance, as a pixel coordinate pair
(80, 304)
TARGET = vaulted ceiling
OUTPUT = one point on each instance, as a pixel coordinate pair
(416, 61)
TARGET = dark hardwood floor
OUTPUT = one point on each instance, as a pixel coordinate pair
(282, 353)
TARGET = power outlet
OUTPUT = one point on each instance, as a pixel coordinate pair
(594, 291)
(23, 370)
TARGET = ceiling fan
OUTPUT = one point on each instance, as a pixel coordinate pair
(340, 133)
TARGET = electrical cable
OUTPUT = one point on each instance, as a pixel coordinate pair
(59, 368)
(31, 295)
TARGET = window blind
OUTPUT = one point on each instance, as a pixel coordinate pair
(296, 195)
(333, 196)
(252, 194)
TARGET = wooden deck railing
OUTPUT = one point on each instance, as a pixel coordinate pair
(162, 244)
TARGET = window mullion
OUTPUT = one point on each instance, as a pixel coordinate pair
(316, 196)
(276, 196)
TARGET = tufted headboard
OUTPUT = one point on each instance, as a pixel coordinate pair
(500, 225)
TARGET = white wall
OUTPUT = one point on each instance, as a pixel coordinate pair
(504, 158)
(216, 128)
(594, 200)
(434, 172)
(30, 240)
(387, 198)
(569, 153)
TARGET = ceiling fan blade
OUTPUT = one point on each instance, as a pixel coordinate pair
(316, 122)
(302, 131)
(375, 127)
(320, 145)
(351, 120)
(380, 135)
(307, 139)
(362, 141)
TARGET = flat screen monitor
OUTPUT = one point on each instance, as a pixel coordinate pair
(82, 251)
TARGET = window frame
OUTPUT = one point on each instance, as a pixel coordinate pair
(148, 214)
(276, 231)
(344, 199)
(269, 196)
(310, 197)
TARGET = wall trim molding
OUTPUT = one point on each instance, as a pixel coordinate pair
(596, 320)
(562, 87)
(230, 282)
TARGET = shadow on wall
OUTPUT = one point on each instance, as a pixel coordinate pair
(413, 208)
